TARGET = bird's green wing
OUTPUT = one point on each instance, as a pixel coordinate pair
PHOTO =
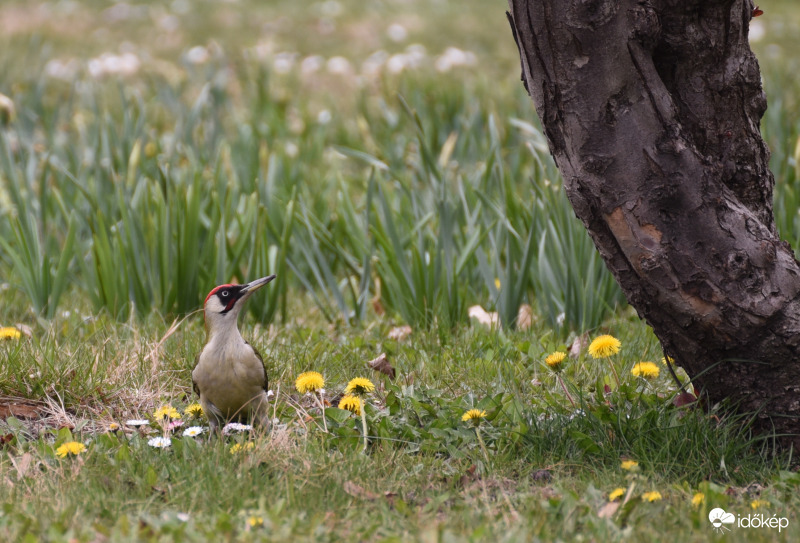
(261, 359)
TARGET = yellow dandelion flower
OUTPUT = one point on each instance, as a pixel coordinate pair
(351, 403)
(242, 447)
(554, 360)
(194, 410)
(604, 346)
(630, 465)
(474, 415)
(9, 332)
(310, 381)
(73, 448)
(648, 370)
(166, 411)
(255, 522)
(698, 498)
(666, 360)
(757, 504)
(359, 386)
(653, 496)
(113, 427)
(616, 494)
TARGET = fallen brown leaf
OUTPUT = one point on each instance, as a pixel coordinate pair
(24, 329)
(684, 399)
(483, 317)
(542, 475)
(578, 345)
(608, 510)
(22, 463)
(524, 317)
(20, 410)
(382, 365)
(358, 491)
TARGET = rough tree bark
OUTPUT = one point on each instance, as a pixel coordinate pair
(652, 109)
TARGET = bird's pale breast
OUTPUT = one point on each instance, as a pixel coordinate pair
(230, 376)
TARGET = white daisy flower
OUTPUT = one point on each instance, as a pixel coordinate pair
(160, 442)
(137, 422)
(233, 427)
(193, 431)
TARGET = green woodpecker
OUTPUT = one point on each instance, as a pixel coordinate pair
(229, 375)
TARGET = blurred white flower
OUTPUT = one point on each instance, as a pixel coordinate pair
(312, 64)
(137, 422)
(283, 63)
(413, 57)
(453, 57)
(197, 55)
(181, 6)
(373, 63)
(168, 23)
(61, 69)
(417, 51)
(397, 63)
(108, 63)
(124, 11)
(193, 431)
(261, 50)
(397, 32)
(338, 66)
(331, 8)
(233, 427)
(757, 31)
(160, 442)
(324, 117)
(291, 149)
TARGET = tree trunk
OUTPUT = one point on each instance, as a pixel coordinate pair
(652, 109)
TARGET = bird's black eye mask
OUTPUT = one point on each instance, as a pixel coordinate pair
(228, 296)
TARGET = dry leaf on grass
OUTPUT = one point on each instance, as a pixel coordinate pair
(358, 491)
(524, 317)
(484, 317)
(24, 329)
(578, 345)
(21, 410)
(21, 463)
(382, 365)
(684, 399)
(399, 333)
(608, 510)
(542, 475)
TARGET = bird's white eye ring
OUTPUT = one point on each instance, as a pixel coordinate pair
(224, 293)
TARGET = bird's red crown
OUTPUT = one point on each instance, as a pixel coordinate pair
(215, 290)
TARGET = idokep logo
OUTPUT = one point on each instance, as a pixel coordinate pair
(720, 520)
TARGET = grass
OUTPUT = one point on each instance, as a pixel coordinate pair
(252, 138)
(424, 467)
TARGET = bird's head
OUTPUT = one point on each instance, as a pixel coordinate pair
(223, 303)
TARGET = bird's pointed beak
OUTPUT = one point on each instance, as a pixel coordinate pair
(253, 286)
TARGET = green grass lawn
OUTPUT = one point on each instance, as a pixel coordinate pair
(384, 160)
